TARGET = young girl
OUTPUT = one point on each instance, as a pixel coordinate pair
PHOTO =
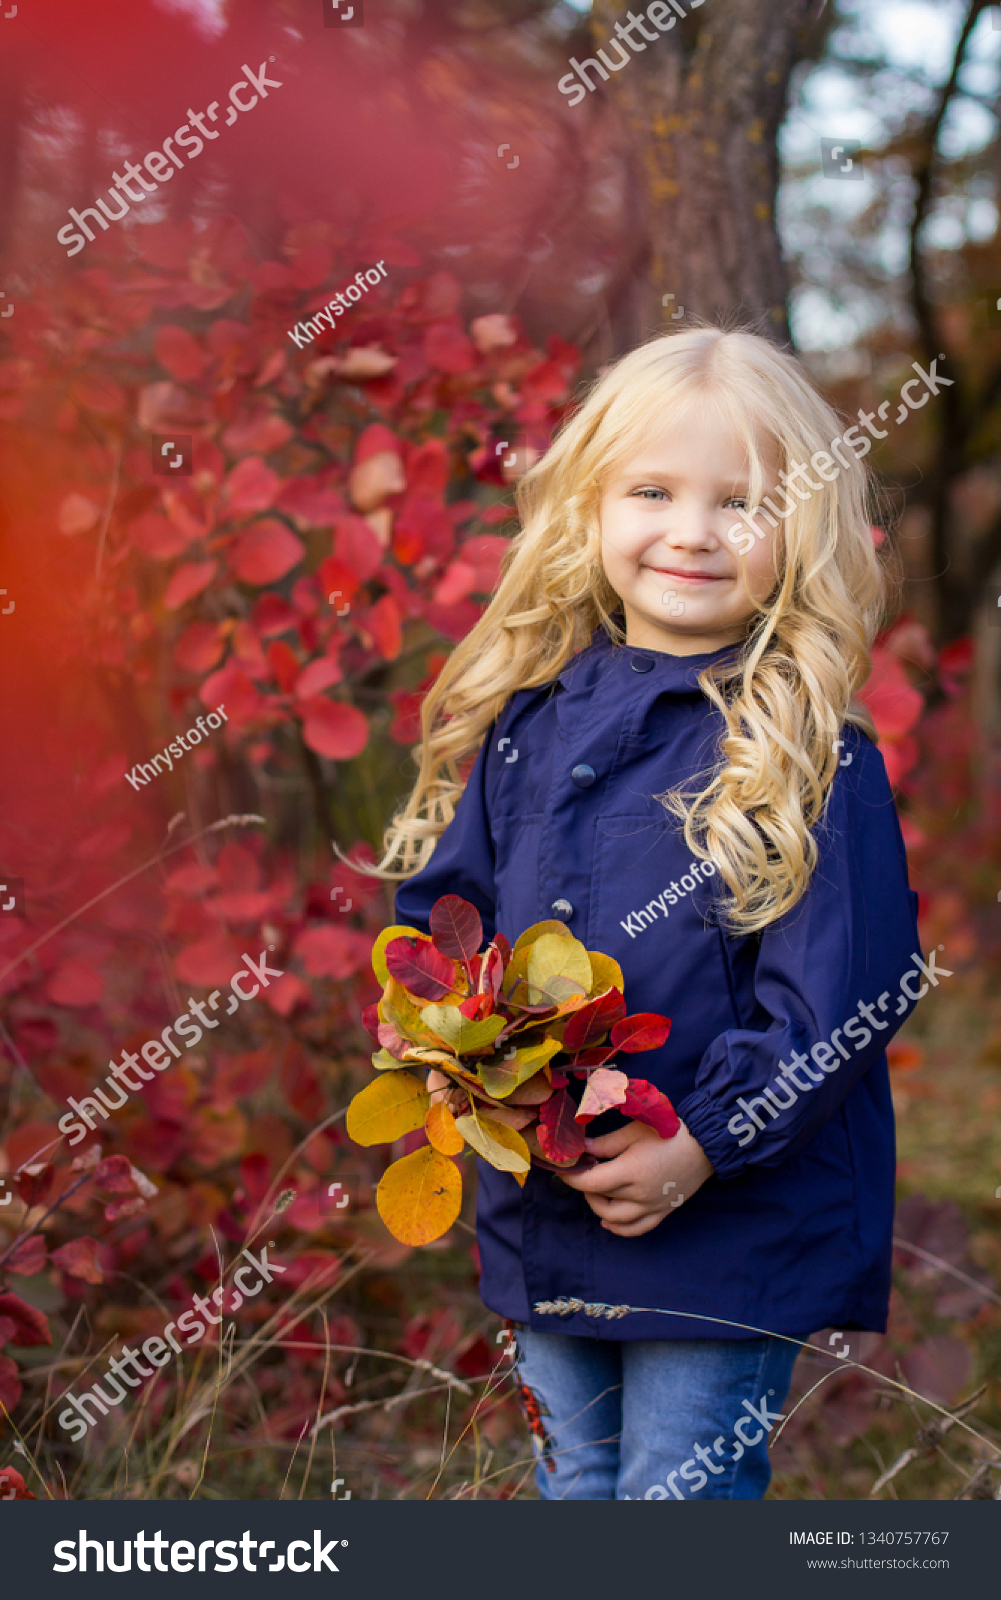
(670, 762)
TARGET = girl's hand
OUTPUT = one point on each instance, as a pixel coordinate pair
(644, 1179)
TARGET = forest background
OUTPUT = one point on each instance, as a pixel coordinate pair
(825, 171)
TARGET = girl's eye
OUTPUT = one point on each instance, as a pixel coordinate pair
(651, 494)
(738, 502)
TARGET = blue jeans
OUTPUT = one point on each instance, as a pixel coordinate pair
(652, 1419)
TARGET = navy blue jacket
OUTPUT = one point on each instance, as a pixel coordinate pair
(792, 1232)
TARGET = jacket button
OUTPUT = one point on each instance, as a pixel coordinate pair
(583, 776)
(641, 664)
(563, 909)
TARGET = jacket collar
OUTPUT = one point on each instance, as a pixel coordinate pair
(666, 674)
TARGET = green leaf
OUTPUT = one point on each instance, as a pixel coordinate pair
(456, 1030)
(382, 1061)
(553, 958)
(503, 1074)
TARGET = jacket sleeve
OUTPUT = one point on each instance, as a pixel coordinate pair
(832, 983)
(463, 859)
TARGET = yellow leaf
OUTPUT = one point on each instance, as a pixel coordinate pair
(502, 1146)
(426, 1057)
(518, 966)
(393, 1105)
(553, 957)
(441, 1130)
(379, 966)
(538, 929)
(607, 974)
(458, 1031)
(420, 1196)
(502, 1074)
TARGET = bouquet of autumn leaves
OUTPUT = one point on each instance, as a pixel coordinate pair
(497, 1038)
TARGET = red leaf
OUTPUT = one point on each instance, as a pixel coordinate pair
(491, 974)
(456, 929)
(114, 1174)
(265, 552)
(33, 1183)
(385, 625)
(484, 553)
(334, 730)
(199, 647)
(79, 1259)
(477, 1006)
(646, 1104)
(188, 581)
(339, 583)
(7, 1330)
(561, 1138)
(32, 1326)
(370, 1021)
(75, 983)
(284, 663)
(28, 1258)
(179, 352)
(207, 961)
(374, 441)
(590, 1025)
(447, 348)
(316, 676)
(356, 546)
(12, 1485)
(10, 1388)
(605, 1090)
(231, 688)
(421, 968)
(327, 951)
(647, 1030)
(251, 486)
(155, 536)
(894, 702)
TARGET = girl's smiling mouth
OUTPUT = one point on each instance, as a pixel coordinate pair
(680, 575)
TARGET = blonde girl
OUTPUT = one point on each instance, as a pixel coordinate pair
(651, 735)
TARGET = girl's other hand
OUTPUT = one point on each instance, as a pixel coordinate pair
(641, 1178)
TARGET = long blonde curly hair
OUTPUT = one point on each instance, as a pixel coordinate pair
(785, 697)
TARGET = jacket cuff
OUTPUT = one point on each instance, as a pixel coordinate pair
(706, 1122)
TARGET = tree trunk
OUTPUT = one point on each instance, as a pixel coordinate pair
(702, 106)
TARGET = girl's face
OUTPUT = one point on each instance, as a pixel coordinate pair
(665, 514)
